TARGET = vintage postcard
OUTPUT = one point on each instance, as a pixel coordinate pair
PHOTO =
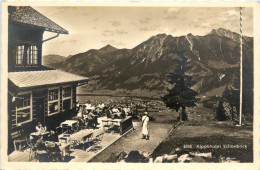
(129, 82)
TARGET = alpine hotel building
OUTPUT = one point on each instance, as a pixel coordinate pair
(36, 93)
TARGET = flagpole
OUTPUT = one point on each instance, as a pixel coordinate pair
(241, 69)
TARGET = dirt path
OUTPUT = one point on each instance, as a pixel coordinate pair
(133, 141)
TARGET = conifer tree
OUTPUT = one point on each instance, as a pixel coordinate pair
(181, 95)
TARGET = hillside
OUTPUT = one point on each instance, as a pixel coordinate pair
(214, 57)
(52, 60)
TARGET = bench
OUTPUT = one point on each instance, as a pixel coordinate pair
(126, 124)
(18, 137)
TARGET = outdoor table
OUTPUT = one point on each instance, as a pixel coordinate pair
(109, 122)
(63, 137)
(37, 135)
(117, 121)
(79, 136)
(65, 149)
(69, 123)
(51, 144)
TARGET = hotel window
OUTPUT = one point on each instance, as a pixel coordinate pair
(32, 55)
(19, 54)
(26, 54)
(23, 108)
(53, 101)
(67, 98)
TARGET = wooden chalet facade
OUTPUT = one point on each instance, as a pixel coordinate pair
(36, 93)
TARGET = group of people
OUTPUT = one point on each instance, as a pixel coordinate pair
(89, 113)
(117, 112)
(88, 116)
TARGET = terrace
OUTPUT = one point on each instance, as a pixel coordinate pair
(74, 144)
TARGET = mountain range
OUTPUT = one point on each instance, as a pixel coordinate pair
(215, 58)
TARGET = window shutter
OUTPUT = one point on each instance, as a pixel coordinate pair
(61, 96)
(34, 100)
(74, 97)
(13, 117)
(45, 102)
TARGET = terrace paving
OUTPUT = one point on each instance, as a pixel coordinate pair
(132, 141)
(76, 154)
(112, 143)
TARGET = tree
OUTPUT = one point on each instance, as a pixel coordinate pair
(231, 96)
(181, 95)
(220, 112)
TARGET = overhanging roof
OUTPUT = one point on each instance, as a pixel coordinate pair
(29, 16)
(35, 79)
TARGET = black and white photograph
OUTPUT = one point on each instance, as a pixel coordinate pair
(130, 84)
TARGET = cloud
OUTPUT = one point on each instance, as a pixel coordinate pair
(167, 30)
(112, 33)
(113, 42)
(108, 33)
(149, 28)
(232, 13)
(120, 31)
(70, 41)
(145, 20)
(172, 10)
(172, 13)
(205, 24)
(116, 23)
(170, 17)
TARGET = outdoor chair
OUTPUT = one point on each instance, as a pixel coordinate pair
(89, 123)
(82, 125)
(66, 128)
(86, 140)
(115, 129)
(97, 143)
(31, 144)
(38, 152)
(106, 124)
(64, 137)
(59, 130)
(19, 139)
(53, 151)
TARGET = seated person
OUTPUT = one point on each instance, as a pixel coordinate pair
(40, 145)
(80, 109)
(108, 112)
(88, 105)
(115, 110)
(116, 113)
(53, 136)
(40, 128)
(101, 105)
(115, 116)
(127, 110)
(123, 114)
(100, 108)
(92, 119)
(84, 112)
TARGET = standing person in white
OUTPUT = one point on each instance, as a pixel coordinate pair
(145, 120)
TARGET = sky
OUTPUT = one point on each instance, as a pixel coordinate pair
(126, 27)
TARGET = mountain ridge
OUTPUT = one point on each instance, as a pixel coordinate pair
(146, 65)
